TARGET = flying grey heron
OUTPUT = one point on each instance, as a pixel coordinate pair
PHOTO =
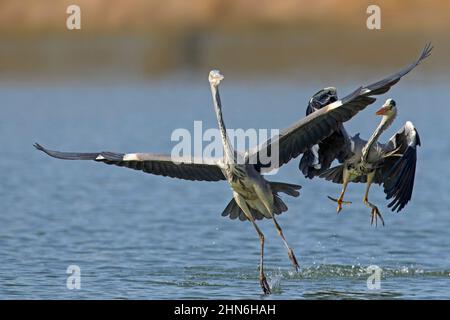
(254, 198)
(392, 164)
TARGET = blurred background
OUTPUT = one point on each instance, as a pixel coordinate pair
(136, 71)
(146, 39)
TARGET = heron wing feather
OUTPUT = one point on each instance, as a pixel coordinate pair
(158, 164)
(399, 172)
(337, 144)
(305, 133)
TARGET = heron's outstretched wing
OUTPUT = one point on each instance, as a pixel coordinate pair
(319, 158)
(384, 85)
(398, 172)
(309, 131)
(159, 164)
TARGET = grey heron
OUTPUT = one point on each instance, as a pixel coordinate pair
(392, 164)
(254, 197)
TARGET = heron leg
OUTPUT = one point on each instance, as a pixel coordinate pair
(266, 198)
(290, 251)
(262, 278)
(375, 214)
(340, 201)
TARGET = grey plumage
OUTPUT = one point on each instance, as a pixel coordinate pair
(395, 172)
(399, 173)
(336, 145)
(312, 129)
(254, 198)
(234, 211)
(292, 141)
(392, 164)
(158, 164)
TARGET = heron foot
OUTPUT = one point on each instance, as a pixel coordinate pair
(264, 284)
(340, 202)
(375, 214)
(293, 259)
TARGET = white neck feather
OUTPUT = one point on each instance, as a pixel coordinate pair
(385, 123)
(228, 151)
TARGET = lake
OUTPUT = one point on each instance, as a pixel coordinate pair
(137, 236)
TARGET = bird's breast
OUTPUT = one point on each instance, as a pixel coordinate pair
(244, 187)
(355, 170)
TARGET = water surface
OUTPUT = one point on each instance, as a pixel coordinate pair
(140, 236)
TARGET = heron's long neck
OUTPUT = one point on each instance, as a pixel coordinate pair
(223, 131)
(385, 123)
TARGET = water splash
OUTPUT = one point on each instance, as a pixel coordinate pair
(274, 279)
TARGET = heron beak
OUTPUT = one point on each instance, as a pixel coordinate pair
(382, 111)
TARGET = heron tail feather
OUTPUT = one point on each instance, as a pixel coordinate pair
(334, 174)
(234, 211)
(287, 188)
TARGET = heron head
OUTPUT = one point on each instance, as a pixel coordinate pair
(215, 77)
(388, 109)
(324, 97)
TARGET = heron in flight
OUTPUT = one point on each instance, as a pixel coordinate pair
(254, 197)
(392, 164)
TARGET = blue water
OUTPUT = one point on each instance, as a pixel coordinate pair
(140, 236)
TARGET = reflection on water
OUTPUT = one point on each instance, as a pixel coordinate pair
(140, 236)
